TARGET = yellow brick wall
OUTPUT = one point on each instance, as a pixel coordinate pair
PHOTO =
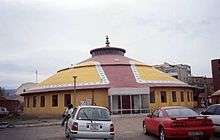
(169, 102)
(100, 98)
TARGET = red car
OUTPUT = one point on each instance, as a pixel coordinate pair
(178, 122)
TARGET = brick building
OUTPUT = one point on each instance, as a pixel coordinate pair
(216, 80)
(216, 73)
(13, 106)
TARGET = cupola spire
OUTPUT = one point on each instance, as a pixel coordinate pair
(107, 41)
(107, 50)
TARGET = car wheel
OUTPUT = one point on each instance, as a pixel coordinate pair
(66, 132)
(162, 135)
(206, 138)
(146, 132)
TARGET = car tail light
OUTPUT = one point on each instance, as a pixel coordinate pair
(75, 126)
(111, 128)
(178, 124)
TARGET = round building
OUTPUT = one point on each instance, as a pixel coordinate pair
(110, 79)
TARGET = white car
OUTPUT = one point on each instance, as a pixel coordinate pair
(90, 122)
(213, 112)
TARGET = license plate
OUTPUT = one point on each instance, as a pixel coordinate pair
(94, 126)
(195, 133)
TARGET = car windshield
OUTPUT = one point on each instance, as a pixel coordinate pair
(181, 112)
(95, 114)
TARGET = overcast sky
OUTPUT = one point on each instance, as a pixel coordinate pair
(49, 35)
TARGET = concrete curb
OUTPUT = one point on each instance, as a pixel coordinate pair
(37, 125)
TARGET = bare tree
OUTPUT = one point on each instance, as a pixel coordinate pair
(2, 91)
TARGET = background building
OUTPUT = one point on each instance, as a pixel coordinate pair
(110, 79)
(216, 97)
(216, 73)
(203, 88)
(11, 101)
(23, 87)
(216, 80)
(13, 106)
(179, 71)
(203, 83)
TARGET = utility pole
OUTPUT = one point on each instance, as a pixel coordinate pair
(74, 80)
(36, 76)
(1, 93)
(93, 103)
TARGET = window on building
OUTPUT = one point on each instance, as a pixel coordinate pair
(195, 98)
(163, 96)
(174, 96)
(182, 96)
(188, 96)
(152, 96)
(42, 101)
(28, 102)
(54, 100)
(144, 103)
(67, 99)
(34, 101)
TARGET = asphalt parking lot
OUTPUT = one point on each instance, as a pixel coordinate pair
(128, 128)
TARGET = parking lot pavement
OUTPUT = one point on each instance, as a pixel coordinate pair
(126, 128)
(57, 133)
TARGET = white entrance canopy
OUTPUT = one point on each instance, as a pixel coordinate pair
(128, 91)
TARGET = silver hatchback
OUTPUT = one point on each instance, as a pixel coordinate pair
(90, 122)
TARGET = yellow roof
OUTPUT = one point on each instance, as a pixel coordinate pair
(89, 75)
(148, 74)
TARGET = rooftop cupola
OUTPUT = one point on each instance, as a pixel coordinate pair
(107, 50)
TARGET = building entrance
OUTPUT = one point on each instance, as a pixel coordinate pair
(130, 102)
